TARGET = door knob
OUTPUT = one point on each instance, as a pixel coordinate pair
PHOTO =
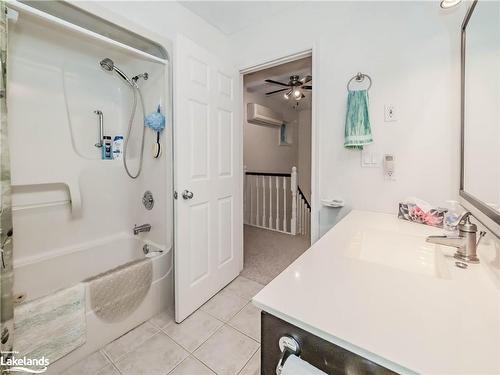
(186, 194)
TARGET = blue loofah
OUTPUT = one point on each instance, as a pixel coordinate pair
(155, 121)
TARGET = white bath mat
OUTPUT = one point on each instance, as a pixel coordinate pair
(51, 326)
(114, 295)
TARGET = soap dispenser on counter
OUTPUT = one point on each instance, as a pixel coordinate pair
(452, 216)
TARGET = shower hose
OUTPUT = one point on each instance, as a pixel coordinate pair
(135, 91)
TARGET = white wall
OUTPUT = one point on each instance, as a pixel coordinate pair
(261, 151)
(165, 18)
(411, 50)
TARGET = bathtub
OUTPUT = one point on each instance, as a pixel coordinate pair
(35, 277)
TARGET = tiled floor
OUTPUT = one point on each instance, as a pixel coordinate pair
(222, 337)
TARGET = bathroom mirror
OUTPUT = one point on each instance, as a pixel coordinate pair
(480, 151)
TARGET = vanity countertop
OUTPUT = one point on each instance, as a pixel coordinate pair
(373, 286)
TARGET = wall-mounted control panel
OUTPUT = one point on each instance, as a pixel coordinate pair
(389, 167)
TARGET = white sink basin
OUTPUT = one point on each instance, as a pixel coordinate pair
(405, 252)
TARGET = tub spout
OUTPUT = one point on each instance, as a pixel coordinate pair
(141, 228)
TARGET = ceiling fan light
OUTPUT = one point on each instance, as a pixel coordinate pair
(445, 4)
(297, 94)
(287, 94)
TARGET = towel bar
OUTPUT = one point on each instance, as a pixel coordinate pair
(360, 77)
(288, 346)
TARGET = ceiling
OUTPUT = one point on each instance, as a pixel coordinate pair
(233, 16)
(255, 82)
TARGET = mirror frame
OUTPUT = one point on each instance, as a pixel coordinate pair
(485, 214)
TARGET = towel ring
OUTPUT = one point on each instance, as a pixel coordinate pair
(360, 77)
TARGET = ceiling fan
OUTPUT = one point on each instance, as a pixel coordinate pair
(294, 88)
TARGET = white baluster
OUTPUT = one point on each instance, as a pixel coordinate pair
(299, 214)
(293, 188)
(308, 222)
(305, 221)
(264, 202)
(270, 203)
(284, 205)
(250, 220)
(277, 204)
(257, 200)
(304, 216)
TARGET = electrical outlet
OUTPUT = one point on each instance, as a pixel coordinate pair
(390, 114)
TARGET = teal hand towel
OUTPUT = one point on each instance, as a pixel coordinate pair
(358, 131)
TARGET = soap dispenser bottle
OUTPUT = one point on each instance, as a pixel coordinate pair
(451, 217)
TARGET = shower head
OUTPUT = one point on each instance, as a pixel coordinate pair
(108, 65)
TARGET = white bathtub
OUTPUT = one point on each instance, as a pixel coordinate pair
(36, 277)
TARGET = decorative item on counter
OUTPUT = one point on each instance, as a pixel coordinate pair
(156, 121)
(419, 211)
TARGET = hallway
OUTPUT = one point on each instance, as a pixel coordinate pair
(268, 253)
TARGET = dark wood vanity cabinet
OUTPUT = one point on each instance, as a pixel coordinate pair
(320, 353)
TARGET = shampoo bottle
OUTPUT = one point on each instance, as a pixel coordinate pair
(107, 148)
(118, 147)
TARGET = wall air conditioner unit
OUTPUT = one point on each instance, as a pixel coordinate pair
(261, 115)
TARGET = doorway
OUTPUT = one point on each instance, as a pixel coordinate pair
(277, 128)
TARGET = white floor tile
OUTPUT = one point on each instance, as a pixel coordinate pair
(244, 288)
(191, 366)
(227, 351)
(162, 319)
(89, 365)
(156, 356)
(108, 370)
(248, 321)
(129, 341)
(194, 330)
(253, 366)
(224, 305)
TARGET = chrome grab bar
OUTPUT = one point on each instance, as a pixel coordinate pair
(101, 128)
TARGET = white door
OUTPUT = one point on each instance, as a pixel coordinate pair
(208, 177)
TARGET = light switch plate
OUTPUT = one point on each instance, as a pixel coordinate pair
(390, 113)
(369, 159)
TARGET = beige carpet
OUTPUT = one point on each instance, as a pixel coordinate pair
(268, 253)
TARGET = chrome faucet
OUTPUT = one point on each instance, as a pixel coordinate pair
(141, 228)
(465, 242)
